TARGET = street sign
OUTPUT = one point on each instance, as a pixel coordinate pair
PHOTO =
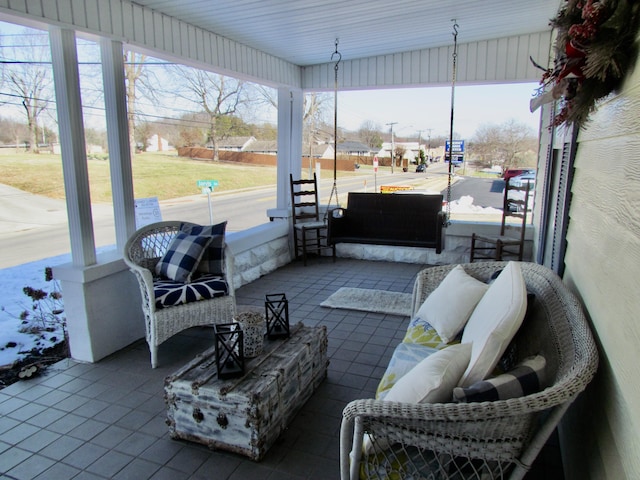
(375, 164)
(458, 146)
(207, 183)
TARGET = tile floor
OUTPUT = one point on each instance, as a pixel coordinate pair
(107, 420)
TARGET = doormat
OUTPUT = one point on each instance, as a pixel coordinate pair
(370, 300)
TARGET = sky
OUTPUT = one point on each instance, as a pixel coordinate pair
(412, 110)
(422, 109)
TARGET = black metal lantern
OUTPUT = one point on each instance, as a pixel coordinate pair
(276, 309)
(229, 350)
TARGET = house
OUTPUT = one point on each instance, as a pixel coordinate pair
(319, 150)
(410, 149)
(262, 146)
(587, 215)
(157, 144)
(236, 144)
(353, 148)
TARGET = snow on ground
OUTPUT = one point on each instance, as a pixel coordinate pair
(14, 301)
(465, 205)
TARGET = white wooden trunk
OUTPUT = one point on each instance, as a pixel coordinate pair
(246, 415)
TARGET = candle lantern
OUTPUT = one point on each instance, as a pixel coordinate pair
(277, 315)
(229, 350)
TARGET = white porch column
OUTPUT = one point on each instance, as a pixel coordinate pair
(118, 140)
(290, 114)
(64, 58)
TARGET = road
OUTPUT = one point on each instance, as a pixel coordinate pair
(35, 227)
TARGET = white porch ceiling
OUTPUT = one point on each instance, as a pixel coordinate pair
(303, 32)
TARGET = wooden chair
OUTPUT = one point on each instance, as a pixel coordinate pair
(510, 242)
(309, 230)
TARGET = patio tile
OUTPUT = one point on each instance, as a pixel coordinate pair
(30, 467)
(11, 458)
(161, 451)
(58, 470)
(39, 440)
(188, 459)
(66, 423)
(110, 464)
(18, 433)
(53, 398)
(62, 447)
(85, 455)
(111, 437)
(80, 421)
(138, 469)
(88, 429)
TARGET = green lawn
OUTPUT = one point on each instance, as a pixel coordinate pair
(154, 175)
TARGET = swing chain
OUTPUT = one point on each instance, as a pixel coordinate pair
(334, 188)
(453, 87)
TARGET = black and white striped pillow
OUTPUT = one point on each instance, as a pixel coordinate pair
(527, 377)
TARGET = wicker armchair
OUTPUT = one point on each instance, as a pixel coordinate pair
(141, 253)
(498, 439)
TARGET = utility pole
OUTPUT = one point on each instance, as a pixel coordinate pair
(393, 148)
(429, 154)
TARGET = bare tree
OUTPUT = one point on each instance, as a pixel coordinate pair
(218, 96)
(316, 109)
(371, 134)
(505, 145)
(398, 156)
(28, 77)
(136, 79)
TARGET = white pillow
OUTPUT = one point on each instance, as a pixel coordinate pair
(450, 305)
(494, 322)
(433, 379)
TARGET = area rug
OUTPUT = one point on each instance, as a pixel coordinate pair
(370, 300)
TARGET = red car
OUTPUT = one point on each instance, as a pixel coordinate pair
(514, 172)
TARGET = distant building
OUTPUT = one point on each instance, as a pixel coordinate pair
(262, 146)
(411, 149)
(322, 150)
(353, 148)
(158, 144)
(235, 144)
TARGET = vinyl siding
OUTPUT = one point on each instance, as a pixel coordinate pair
(603, 266)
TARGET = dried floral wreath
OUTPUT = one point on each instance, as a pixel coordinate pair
(596, 47)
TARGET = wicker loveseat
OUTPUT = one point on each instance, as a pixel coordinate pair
(487, 439)
(205, 300)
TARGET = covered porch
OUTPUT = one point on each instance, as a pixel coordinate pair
(107, 419)
(586, 215)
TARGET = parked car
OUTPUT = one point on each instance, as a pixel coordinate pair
(421, 168)
(521, 180)
(514, 172)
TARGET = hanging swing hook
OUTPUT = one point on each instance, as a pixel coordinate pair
(336, 54)
(455, 28)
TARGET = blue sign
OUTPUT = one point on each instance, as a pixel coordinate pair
(458, 146)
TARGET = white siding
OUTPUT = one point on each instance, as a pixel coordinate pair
(158, 35)
(495, 61)
(603, 266)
